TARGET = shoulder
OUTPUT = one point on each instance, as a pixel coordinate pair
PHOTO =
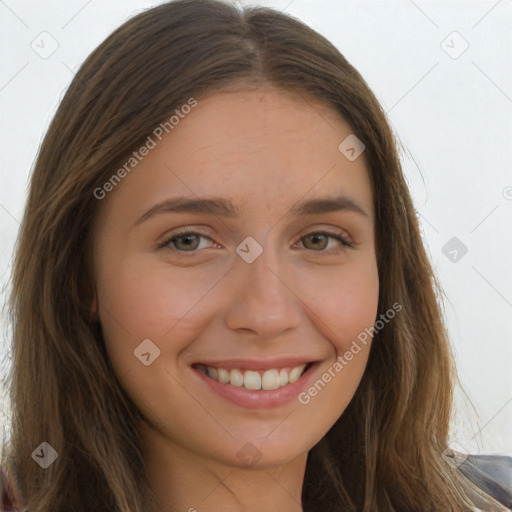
(492, 474)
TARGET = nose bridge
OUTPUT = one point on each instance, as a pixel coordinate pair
(263, 275)
(262, 301)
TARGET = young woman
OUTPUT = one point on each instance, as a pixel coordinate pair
(221, 300)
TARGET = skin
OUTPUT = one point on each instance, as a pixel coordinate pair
(265, 150)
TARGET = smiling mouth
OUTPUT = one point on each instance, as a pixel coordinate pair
(265, 380)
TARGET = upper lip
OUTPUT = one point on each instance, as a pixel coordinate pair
(257, 364)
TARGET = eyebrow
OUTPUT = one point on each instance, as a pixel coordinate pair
(226, 208)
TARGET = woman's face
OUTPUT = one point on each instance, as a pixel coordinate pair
(262, 285)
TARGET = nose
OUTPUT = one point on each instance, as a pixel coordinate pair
(263, 300)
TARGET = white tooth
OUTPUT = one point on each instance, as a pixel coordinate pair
(212, 372)
(283, 378)
(252, 380)
(236, 378)
(222, 375)
(296, 373)
(270, 380)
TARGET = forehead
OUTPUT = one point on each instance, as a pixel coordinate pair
(258, 123)
(265, 147)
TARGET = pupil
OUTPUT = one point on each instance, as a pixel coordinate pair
(188, 239)
(315, 238)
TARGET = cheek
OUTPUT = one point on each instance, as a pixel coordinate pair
(344, 308)
(139, 301)
(343, 300)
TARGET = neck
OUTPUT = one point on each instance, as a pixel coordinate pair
(184, 481)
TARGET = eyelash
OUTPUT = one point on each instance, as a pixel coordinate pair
(176, 235)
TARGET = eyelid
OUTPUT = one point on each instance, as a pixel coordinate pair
(331, 230)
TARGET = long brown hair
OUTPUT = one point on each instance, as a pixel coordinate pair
(384, 453)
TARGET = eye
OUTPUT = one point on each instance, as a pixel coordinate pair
(320, 240)
(185, 241)
(190, 241)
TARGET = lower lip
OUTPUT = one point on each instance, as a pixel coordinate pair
(259, 399)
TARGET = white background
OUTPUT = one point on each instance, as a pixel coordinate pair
(451, 110)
